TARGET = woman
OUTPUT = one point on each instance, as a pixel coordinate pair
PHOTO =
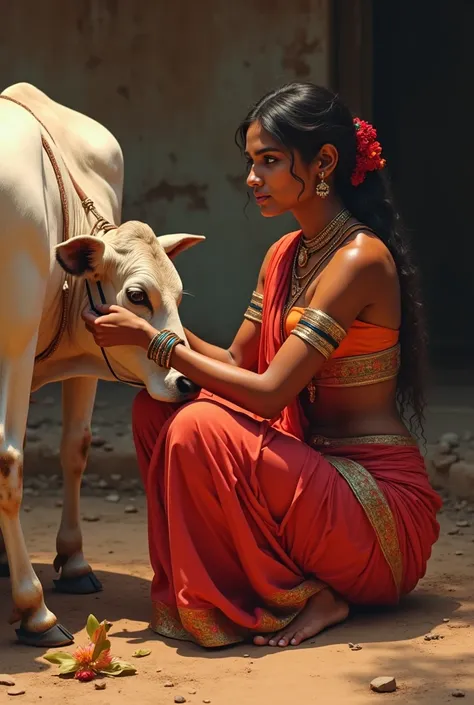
(292, 488)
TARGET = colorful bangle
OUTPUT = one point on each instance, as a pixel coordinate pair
(161, 347)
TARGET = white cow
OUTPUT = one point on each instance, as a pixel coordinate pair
(43, 275)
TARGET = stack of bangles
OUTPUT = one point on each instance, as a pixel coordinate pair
(161, 347)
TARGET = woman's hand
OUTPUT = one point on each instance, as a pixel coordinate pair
(117, 326)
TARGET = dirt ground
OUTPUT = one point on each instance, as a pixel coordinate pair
(325, 669)
(393, 642)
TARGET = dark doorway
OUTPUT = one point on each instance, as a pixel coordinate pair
(423, 68)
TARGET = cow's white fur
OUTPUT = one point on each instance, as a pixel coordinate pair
(32, 267)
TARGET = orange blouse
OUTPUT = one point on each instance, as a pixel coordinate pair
(361, 339)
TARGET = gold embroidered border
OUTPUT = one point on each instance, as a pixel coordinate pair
(297, 596)
(359, 370)
(165, 620)
(318, 441)
(211, 628)
(377, 510)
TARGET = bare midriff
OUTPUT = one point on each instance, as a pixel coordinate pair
(361, 409)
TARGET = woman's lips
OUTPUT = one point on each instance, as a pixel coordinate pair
(260, 197)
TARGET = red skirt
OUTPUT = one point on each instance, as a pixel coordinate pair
(246, 523)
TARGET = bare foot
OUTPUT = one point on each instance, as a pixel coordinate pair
(321, 611)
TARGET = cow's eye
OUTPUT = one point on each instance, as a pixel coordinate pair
(138, 297)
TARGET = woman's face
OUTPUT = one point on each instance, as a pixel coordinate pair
(275, 189)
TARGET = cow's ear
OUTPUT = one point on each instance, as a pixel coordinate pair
(81, 256)
(178, 242)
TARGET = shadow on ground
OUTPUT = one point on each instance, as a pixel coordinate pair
(126, 597)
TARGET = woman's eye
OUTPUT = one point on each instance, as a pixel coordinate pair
(270, 160)
(137, 297)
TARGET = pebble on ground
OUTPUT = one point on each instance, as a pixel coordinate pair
(384, 684)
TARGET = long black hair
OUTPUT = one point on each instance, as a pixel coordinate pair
(303, 117)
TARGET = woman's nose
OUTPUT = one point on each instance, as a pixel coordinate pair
(253, 180)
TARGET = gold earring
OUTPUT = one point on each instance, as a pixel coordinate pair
(322, 189)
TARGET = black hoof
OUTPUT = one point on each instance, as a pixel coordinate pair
(4, 570)
(56, 636)
(82, 585)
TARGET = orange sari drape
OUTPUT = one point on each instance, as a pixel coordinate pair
(247, 522)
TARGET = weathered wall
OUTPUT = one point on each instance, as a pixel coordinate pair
(172, 81)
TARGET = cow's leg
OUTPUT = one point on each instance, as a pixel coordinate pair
(38, 625)
(4, 569)
(78, 402)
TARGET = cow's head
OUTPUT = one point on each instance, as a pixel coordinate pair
(135, 270)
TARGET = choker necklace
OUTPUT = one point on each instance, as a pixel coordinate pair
(309, 247)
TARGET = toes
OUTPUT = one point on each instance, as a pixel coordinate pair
(281, 639)
(261, 640)
(303, 634)
(284, 641)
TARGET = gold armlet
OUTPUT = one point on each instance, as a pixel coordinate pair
(254, 311)
(319, 330)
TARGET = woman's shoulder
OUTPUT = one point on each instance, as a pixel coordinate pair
(365, 253)
(365, 246)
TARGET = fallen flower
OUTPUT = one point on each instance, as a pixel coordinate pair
(85, 675)
(94, 658)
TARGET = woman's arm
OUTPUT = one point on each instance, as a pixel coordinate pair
(243, 351)
(359, 278)
(208, 349)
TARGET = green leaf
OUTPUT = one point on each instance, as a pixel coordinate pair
(119, 668)
(59, 657)
(67, 668)
(92, 626)
(140, 653)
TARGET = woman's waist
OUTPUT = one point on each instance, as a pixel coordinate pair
(346, 413)
(387, 456)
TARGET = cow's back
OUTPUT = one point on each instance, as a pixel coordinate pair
(89, 150)
(30, 207)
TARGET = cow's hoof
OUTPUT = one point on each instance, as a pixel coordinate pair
(4, 570)
(82, 585)
(55, 636)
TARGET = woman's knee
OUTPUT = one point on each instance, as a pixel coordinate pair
(198, 419)
(148, 413)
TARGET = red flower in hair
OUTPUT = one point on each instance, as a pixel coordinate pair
(369, 151)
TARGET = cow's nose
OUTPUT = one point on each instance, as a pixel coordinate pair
(186, 386)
